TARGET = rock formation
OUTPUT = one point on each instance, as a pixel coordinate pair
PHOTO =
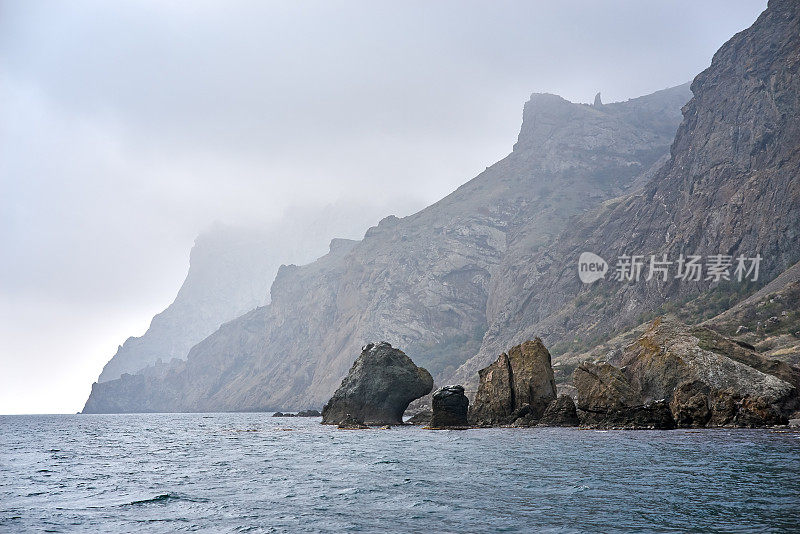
(560, 412)
(424, 282)
(675, 375)
(349, 422)
(303, 413)
(768, 321)
(378, 389)
(420, 418)
(518, 385)
(731, 186)
(450, 407)
(491, 264)
(230, 272)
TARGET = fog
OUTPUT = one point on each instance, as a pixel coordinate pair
(126, 128)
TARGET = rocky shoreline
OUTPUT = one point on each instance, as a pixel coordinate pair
(671, 376)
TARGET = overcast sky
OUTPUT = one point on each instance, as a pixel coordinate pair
(128, 127)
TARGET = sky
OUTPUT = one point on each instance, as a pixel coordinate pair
(126, 128)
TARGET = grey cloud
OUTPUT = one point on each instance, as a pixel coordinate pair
(128, 127)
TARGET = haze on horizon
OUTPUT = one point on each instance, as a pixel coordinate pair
(127, 128)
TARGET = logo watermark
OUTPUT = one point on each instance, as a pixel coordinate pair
(591, 267)
(687, 268)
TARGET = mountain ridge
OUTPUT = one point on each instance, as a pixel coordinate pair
(421, 282)
(731, 186)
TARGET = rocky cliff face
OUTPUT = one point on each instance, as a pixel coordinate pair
(230, 272)
(495, 262)
(769, 320)
(675, 375)
(423, 282)
(518, 384)
(731, 187)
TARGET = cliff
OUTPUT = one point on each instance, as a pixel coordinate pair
(731, 187)
(423, 282)
(230, 272)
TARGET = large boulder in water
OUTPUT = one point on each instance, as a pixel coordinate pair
(379, 387)
(518, 384)
(607, 399)
(560, 412)
(691, 375)
(450, 407)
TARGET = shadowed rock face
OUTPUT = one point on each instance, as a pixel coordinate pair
(560, 412)
(519, 384)
(672, 372)
(450, 407)
(421, 418)
(494, 400)
(378, 388)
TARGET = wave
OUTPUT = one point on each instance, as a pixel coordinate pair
(164, 497)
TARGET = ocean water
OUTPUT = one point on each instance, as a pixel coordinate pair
(255, 473)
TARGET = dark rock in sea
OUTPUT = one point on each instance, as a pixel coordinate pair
(420, 418)
(560, 412)
(379, 387)
(675, 375)
(523, 417)
(450, 407)
(519, 384)
(303, 413)
(349, 422)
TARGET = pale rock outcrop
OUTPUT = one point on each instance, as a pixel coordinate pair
(518, 385)
(672, 376)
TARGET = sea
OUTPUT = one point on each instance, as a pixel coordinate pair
(250, 472)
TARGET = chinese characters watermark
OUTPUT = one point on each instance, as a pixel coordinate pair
(687, 268)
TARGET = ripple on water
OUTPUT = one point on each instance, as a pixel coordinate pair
(245, 472)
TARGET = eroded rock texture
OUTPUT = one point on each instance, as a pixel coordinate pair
(450, 407)
(518, 385)
(425, 282)
(675, 375)
(560, 412)
(731, 186)
(378, 389)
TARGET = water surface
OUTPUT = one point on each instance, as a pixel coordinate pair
(255, 473)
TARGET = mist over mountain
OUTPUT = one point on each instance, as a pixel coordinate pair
(230, 271)
(422, 282)
(731, 187)
(495, 262)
